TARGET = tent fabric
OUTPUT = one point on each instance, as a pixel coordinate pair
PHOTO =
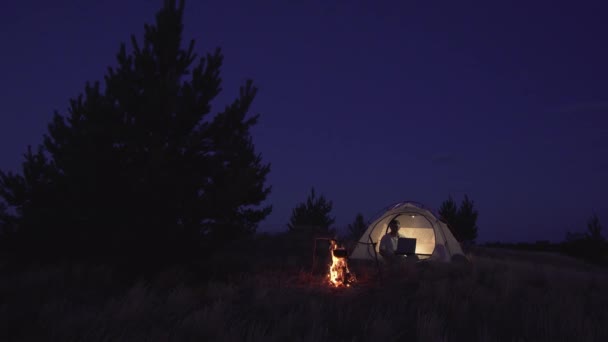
(434, 240)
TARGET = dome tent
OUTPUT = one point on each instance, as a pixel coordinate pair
(434, 240)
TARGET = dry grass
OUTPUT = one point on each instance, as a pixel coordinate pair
(493, 300)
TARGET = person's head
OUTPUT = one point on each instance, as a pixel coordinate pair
(394, 226)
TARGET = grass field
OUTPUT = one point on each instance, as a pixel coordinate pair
(499, 297)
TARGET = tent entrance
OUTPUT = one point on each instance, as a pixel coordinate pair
(413, 225)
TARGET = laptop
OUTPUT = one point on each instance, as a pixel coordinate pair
(406, 246)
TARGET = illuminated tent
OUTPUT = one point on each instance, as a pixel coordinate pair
(434, 239)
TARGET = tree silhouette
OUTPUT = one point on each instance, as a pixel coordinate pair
(3, 219)
(462, 220)
(312, 216)
(589, 245)
(467, 220)
(357, 228)
(449, 211)
(594, 229)
(139, 165)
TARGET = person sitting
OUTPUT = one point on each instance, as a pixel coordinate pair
(388, 243)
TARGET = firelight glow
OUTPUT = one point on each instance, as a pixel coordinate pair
(339, 275)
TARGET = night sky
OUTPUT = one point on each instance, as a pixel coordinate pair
(369, 102)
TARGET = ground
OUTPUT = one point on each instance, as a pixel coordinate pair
(500, 296)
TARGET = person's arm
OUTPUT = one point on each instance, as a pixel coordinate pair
(386, 254)
(385, 248)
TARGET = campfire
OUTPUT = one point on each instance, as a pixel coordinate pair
(339, 274)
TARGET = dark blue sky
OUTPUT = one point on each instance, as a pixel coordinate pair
(370, 103)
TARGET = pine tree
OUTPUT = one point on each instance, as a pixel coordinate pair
(448, 211)
(462, 220)
(594, 229)
(357, 228)
(589, 245)
(312, 216)
(139, 164)
(4, 217)
(466, 221)
(35, 198)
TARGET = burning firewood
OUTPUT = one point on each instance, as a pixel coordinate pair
(339, 274)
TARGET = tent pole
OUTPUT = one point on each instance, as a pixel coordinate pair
(375, 256)
(444, 237)
(314, 253)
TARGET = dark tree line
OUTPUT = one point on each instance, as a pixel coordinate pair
(462, 220)
(590, 244)
(312, 216)
(139, 165)
(356, 229)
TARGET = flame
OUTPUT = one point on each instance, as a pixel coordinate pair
(339, 274)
